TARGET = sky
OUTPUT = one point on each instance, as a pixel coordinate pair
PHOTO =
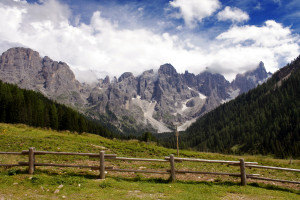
(109, 37)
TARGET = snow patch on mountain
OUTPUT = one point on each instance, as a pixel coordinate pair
(232, 95)
(202, 96)
(148, 110)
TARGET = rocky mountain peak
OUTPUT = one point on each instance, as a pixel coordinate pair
(22, 52)
(125, 76)
(106, 80)
(21, 58)
(47, 59)
(167, 69)
(20, 66)
(151, 101)
(54, 79)
(245, 82)
(260, 72)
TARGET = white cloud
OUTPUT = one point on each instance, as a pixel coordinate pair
(103, 47)
(272, 43)
(232, 14)
(193, 11)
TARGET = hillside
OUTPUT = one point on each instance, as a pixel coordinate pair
(266, 120)
(32, 108)
(15, 183)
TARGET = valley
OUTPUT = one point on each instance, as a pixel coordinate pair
(73, 183)
(154, 100)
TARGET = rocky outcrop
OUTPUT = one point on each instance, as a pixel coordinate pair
(27, 69)
(21, 66)
(245, 82)
(154, 100)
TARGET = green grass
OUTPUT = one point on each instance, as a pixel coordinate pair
(15, 183)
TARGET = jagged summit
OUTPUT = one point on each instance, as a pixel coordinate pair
(260, 72)
(151, 101)
(245, 82)
(125, 76)
(167, 69)
(25, 67)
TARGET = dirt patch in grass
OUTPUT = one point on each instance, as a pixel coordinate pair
(142, 195)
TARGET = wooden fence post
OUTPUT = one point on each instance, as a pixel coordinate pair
(31, 160)
(243, 172)
(172, 171)
(102, 165)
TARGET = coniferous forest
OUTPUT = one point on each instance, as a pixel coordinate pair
(266, 120)
(32, 108)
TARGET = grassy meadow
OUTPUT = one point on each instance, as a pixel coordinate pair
(73, 183)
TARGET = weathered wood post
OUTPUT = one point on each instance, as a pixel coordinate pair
(172, 171)
(31, 160)
(243, 172)
(102, 165)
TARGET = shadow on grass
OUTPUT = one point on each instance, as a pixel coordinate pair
(208, 183)
(71, 174)
(12, 172)
(168, 181)
(139, 178)
(274, 187)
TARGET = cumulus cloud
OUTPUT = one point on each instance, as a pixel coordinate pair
(233, 14)
(272, 43)
(103, 48)
(193, 11)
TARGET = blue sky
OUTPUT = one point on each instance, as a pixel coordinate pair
(286, 12)
(109, 37)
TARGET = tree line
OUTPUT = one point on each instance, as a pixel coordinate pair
(32, 108)
(265, 120)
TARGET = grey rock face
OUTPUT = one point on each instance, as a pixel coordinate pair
(245, 82)
(151, 101)
(146, 84)
(21, 66)
(27, 69)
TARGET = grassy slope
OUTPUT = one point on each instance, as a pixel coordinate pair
(15, 183)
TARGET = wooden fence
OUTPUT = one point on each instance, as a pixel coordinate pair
(171, 159)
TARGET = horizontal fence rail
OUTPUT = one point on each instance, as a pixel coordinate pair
(213, 173)
(170, 159)
(62, 165)
(141, 159)
(107, 156)
(276, 168)
(276, 180)
(140, 171)
(209, 161)
(12, 153)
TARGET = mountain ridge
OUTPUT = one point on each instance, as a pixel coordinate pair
(264, 120)
(153, 101)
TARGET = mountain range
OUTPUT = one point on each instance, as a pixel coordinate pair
(265, 120)
(155, 100)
